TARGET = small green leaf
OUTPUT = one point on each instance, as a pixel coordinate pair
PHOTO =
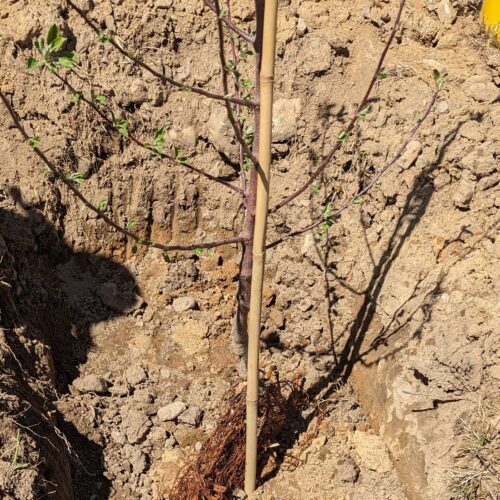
(358, 201)
(364, 112)
(57, 44)
(100, 99)
(440, 79)
(166, 257)
(122, 127)
(159, 141)
(52, 34)
(315, 188)
(198, 252)
(342, 135)
(33, 63)
(34, 141)
(131, 225)
(102, 204)
(245, 84)
(76, 97)
(323, 228)
(103, 38)
(382, 75)
(76, 177)
(180, 157)
(247, 164)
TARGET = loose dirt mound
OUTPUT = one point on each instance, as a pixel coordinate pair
(109, 385)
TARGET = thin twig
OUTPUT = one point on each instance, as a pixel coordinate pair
(231, 25)
(99, 212)
(225, 86)
(372, 182)
(237, 91)
(328, 158)
(164, 79)
(137, 141)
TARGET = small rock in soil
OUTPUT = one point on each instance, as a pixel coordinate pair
(138, 461)
(481, 88)
(346, 470)
(118, 437)
(158, 435)
(472, 130)
(372, 452)
(315, 55)
(171, 411)
(463, 194)
(285, 115)
(91, 383)
(118, 301)
(446, 13)
(138, 92)
(192, 416)
(119, 390)
(183, 304)
(411, 154)
(136, 424)
(144, 396)
(135, 375)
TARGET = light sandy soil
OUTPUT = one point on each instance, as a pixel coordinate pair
(399, 301)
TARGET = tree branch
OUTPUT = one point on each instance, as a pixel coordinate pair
(326, 161)
(100, 214)
(370, 184)
(137, 141)
(164, 79)
(237, 91)
(229, 23)
(225, 86)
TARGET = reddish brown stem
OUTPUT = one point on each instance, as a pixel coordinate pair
(225, 86)
(164, 79)
(326, 161)
(230, 24)
(240, 326)
(100, 214)
(238, 95)
(137, 141)
(370, 185)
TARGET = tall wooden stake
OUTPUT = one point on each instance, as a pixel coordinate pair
(259, 242)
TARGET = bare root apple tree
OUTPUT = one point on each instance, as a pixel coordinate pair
(249, 111)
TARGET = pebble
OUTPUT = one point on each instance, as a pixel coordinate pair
(138, 92)
(119, 390)
(144, 396)
(315, 55)
(463, 194)
(192, 416)
(285, 115)
(472, 130)
(183, 304)
(135, 424)
(91, 383)
(171, 411)
(481, 88)
(135, 375)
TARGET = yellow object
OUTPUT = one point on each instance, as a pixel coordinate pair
(490, 16)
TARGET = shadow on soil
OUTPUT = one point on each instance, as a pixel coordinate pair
(46, 322)
(351, 352)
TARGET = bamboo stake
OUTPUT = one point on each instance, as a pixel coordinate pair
(259, 242)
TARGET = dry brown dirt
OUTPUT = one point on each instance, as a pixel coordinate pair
(108, 384)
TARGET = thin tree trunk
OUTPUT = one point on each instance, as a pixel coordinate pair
(240, 323)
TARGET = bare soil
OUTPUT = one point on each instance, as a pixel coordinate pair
(391, 320)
